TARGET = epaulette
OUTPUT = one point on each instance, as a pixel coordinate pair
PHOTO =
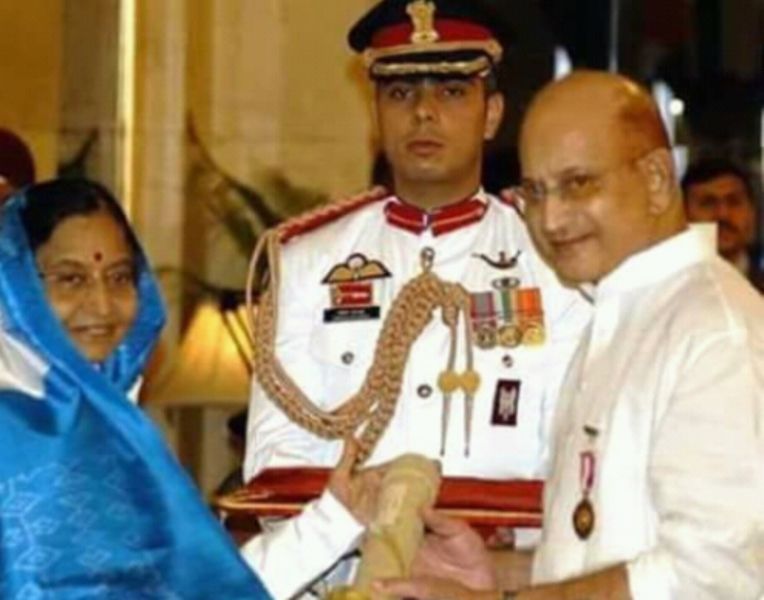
(322, 215)
(508, 197)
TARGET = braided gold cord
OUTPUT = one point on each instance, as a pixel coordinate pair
(373, 405)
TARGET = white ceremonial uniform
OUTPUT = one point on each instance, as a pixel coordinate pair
(329, 360)
(299, 549)
(666, 392)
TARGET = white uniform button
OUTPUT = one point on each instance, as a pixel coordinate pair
(424, 391)
(348, 358)
(508, 361)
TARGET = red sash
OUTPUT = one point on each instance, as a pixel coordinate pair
(482, 503)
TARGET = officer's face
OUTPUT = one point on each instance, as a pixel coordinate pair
(432, 130)
(725, 201)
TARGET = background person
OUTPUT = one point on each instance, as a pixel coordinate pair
(720, 191)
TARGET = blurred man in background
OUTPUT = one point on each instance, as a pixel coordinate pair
(720, 191)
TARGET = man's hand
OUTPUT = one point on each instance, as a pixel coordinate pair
(357, 490)
(452, 550)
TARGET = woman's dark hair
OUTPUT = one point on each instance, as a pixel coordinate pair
(50, 203)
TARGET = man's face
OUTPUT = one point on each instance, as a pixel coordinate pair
(587, 201)
(725, 201)
(433, 130)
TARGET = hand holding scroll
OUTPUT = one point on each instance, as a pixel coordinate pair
(359, 490)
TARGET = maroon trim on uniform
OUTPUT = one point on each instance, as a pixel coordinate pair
(449, 30)
(325, 215)
(441, 221)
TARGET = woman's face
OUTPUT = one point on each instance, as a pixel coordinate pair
(89, 276)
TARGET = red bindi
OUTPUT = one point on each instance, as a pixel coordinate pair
(98, 257)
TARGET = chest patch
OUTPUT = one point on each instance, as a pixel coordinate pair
(506, 403)
(351, 289)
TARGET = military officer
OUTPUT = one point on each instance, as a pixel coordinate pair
(433, 67)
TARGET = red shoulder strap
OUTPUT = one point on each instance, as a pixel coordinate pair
(326, 214)
(508, 197)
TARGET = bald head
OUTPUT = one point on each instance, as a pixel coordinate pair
(602, 99)
(597, 140)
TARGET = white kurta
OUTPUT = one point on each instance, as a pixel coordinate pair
(329, 360)
(670, 376)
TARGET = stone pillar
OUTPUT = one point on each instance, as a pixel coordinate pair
(159, 136)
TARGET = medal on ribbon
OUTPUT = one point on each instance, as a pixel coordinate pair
(484, 319)
(508, 316)
(583, 516)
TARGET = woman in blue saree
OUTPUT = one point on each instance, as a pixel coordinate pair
(92, 502)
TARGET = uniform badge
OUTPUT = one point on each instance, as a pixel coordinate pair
(502, 262)
(485, 335)
(509, 336)
(506, 402)
(422, 14)
(351, 289)
(508, 316)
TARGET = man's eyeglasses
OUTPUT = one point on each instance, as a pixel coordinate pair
(569, 187)
(573, 185)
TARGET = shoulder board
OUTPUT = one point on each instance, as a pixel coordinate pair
(328, 213)
(508, 197)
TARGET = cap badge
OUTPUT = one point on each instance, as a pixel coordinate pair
(422, 13)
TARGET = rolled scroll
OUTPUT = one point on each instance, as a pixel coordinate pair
(410, 484)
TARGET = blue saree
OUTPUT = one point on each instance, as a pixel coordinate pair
(92, 502)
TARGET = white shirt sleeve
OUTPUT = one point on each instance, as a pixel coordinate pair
(706, 480)
(300, 549)
(273, 440)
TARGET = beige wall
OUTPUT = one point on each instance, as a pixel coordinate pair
(30, 69)
(272, 84)
(89, 86)
(325, 124)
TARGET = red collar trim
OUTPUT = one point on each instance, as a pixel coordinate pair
(441, 221)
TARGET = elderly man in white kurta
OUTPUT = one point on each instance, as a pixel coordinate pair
(656, 489)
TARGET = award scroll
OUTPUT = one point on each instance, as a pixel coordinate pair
(410, 484)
